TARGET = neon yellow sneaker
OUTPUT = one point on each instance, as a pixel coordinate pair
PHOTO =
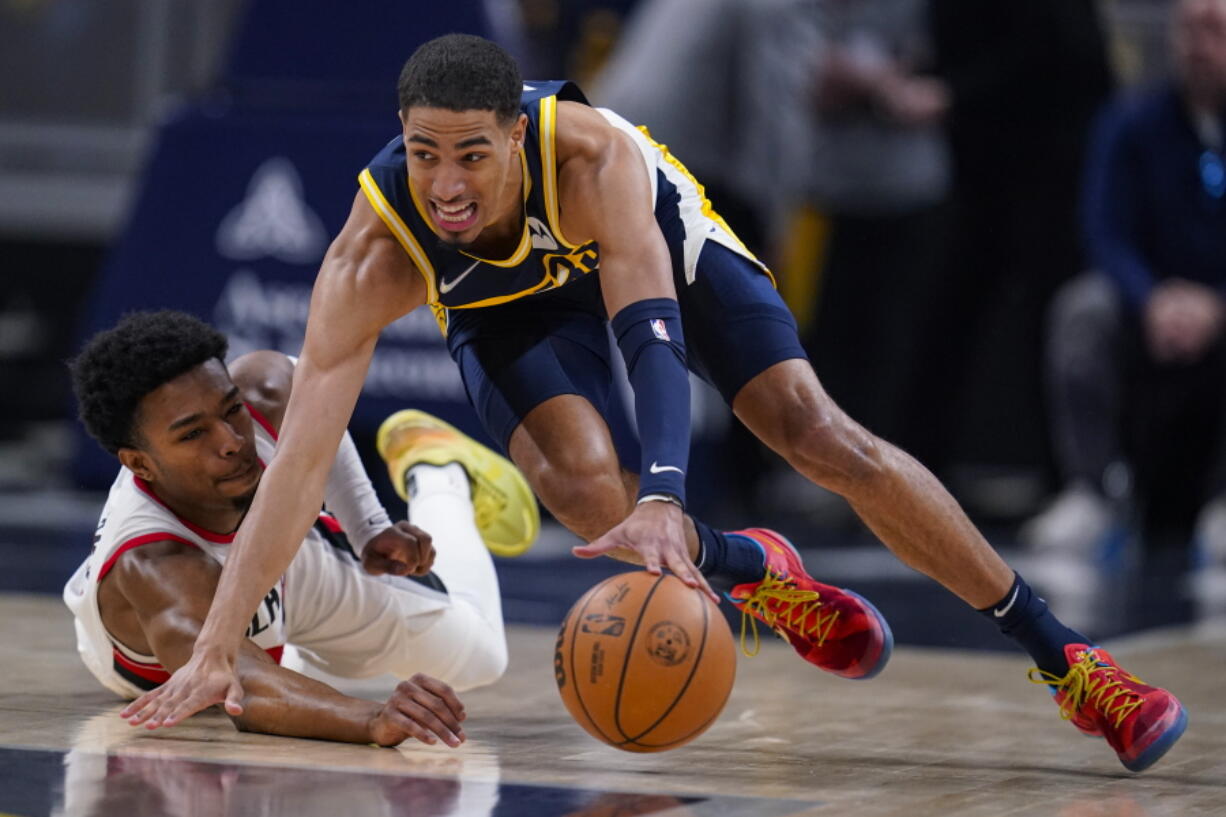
(507, 516)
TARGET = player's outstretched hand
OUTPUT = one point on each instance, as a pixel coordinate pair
(208, 678)
(655, 532)
(423, 708)
(401, 550)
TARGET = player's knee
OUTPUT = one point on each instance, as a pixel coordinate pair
(585, 489)
(485, 665)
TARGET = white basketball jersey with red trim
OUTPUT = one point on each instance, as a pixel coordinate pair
(134, 516)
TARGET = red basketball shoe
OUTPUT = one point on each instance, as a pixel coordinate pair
(1140, 722)
(835, 629)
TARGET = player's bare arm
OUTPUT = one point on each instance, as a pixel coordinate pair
(366, 282)
(155, 601)
(265, 380)
(605, 196)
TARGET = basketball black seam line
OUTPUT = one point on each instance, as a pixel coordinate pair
(621, 680)
(705, 724)
(681, 692)
(680, 740)
(575, 677)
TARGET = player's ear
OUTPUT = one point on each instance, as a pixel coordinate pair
(517, 133)
(137, 462)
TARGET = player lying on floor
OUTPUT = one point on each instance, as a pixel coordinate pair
(193, 437)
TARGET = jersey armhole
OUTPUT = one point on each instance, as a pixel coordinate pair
(389, 216)
(547, 120)
(137, 541)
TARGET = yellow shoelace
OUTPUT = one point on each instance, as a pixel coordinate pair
(1100, 685)
(777, 600)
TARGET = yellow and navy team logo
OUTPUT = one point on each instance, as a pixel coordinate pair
(559, 267)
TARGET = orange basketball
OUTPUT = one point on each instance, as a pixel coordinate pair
(644, 662)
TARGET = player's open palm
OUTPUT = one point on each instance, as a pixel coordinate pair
(423, 708)
(654, 534)
(208, 678)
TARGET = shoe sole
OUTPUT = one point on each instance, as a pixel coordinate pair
(887, 635)
(1160, 746)
(522, 492)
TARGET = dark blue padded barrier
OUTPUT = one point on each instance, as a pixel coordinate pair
(231, 224)
(347, 55)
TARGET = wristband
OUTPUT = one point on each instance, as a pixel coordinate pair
(669, 498)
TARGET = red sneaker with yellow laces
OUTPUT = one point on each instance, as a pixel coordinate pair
(834, 629)
(1101, 699)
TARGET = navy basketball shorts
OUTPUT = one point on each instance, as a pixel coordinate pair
(516, 356)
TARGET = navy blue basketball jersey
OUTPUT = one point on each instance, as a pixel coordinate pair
(544, 259)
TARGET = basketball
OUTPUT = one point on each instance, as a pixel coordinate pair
(644, 663)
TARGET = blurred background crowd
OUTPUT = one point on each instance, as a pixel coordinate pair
(1002, 227)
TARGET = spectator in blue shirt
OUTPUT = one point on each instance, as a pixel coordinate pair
(1148, 322)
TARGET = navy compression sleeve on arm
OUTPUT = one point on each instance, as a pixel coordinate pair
(649, 335)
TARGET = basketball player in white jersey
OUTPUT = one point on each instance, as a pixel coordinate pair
(419, 601)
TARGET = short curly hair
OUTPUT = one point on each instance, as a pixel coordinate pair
(462, 72)
(121, 365)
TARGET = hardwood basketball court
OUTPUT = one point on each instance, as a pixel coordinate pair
(940, 732)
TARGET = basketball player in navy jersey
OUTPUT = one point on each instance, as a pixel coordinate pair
(527, 221)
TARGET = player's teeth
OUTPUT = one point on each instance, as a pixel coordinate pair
(454, 214)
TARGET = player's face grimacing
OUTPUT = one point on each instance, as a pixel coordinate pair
(197, 443)
(464, 169)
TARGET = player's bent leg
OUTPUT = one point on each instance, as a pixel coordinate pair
(447, 624)
(565, 451)
(912, 513)
(439, 504)
(899, 499)
(506, 511)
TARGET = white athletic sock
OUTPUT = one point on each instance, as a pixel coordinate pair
(440, 503)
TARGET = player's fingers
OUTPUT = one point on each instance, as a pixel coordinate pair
(155, 713)
(705, 586)
(139, 716)
(409, 727)
(441, 710)
(378, 565)
(598, 547)
(175, 710)
(412, 530)
(413, 692)
(427, 717)
(444, 692)
(652, 562)
(682, 568)
(428, 562)
(138, 706)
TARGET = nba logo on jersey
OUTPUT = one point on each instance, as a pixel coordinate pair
(659, 330)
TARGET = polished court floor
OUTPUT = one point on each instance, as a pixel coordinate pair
(940, 732)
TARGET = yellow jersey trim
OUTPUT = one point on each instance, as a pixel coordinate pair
(405, 236)
(502, 299)
(547, 127)
(525, 240)
(707, 209)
